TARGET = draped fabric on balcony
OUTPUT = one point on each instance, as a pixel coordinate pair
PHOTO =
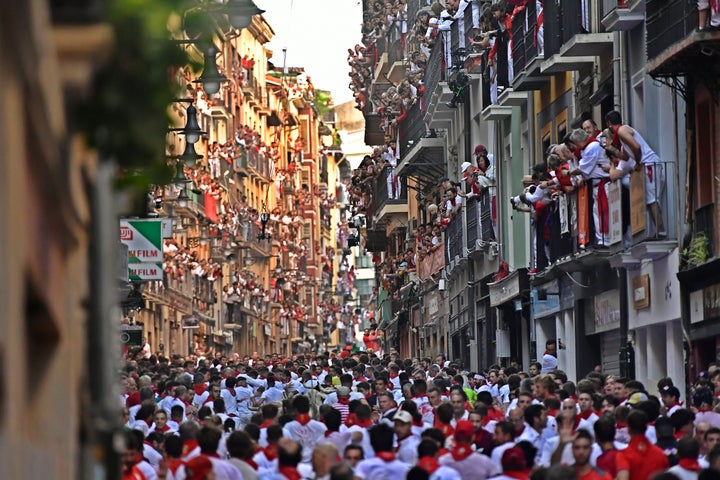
(211, 208)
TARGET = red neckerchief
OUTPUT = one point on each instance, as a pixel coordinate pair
(429, 464)
(290, 473)
(188, 446)
(519, 475)
(344, 400)
(385, 456)
(676, 404)
(461, 451)
(213, 455)
(689, 464)
(266, 424)
(548, 353)
(582, 416)
(232, 391)
(418, 423)
(209, 400)
(271, 451)
(199, 389)
(174, 463)
(679, 434)
(351, 420)
(329, 432)
(303, 419)
(164, 429)
(553, 412)
(519, 432)
(442, 452)
(252, 463)
(446, 428)
(393, 375)
(616, 137)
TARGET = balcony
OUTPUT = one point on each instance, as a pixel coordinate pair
(674, 45)
(437, 92)
(431, 264)
(570, 243)
(570, 43)
(422, 157)
(382, 205)
(527, 57)
(395, 56)
(258, 164)
(478, 221)
(455, 240)
(622, 15)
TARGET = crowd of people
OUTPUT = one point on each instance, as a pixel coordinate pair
(359, 415)
(592, 159)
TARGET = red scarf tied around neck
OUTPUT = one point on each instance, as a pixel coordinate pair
(385, 456)
(689, 464)
(303, 418)
(429, 464)
(290, 473)
(461, 451)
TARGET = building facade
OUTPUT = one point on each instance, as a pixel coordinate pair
(509, 281)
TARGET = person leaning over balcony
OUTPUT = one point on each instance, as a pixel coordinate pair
(627, 143)
(706, 7)
(619, 169)
(592, 159)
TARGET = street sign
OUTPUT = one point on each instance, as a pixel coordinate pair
(144, 240)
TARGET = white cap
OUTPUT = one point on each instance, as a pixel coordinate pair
(403, 416)
(465, 166)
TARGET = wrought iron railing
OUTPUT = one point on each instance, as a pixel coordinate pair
(668, 22)
(434, 72)
(478, 219)
(525, 37)
(412, 129)
(380, 192)
(454, 237)
(567, 227)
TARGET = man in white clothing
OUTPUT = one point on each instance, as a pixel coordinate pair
(384, 465)
(304, 429)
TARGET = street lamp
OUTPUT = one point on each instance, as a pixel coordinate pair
(240, 12)
(191, 130)
(189, 156)
(180, 179)
(211, 77)
(182, 199)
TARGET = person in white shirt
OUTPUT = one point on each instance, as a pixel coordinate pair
(503, 439)
(241, 450)
(536, 419)
(304, 429)
(428, 460)
(384, 465)
(406, 442)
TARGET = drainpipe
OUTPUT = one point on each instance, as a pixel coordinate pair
(617, 77)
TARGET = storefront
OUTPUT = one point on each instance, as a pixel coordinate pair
(704, 331)
(654, 325)
(602, 326)
(512, 335)
(553, 305)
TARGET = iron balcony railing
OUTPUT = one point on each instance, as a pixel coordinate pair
(563, 20)
(381, 188)
(434, 71)
(524, 34)
(478, 219)
(566, 227)
(454, 237)
(667, 23)
(412, 128)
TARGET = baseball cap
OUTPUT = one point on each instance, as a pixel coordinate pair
(465, 166)
(636, 398)
(464, 430)
(480, 149)
(403, 416)
(670, 390)
(513, 459)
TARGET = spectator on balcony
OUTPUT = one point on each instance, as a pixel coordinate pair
(619, 169)
(504, 36)
(627, 143)
(711, 9)
(592, 161)
(591, 129)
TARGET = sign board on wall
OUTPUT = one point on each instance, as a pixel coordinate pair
(144, 240)
(614, 190)
(641, 291)
(607, 311)
(637, 202)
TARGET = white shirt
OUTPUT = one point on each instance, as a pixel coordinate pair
(307, 435)
(407, 450)
(378, 469)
